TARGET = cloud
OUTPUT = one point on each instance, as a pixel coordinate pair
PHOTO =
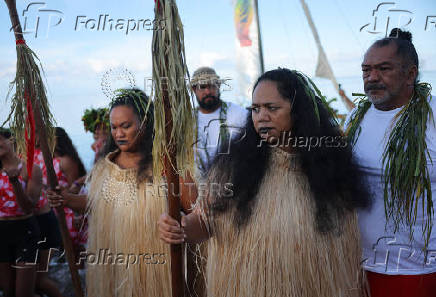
(7, 70)
(210, 58)
(100, 65)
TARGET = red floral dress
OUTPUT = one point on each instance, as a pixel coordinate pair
(8, 201)
(63, 183)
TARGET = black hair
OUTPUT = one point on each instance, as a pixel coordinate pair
(335, 180)
(6, 133)
(142, 106)
(64, 147)
(405, 48)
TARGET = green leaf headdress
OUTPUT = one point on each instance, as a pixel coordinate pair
(313, 93)
(141, 104)
(92, 118)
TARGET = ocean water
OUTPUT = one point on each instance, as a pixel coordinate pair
(353, 84)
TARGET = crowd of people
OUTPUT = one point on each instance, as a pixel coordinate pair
(296, 205)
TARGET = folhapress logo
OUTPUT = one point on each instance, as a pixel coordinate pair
(106, 23)
(38, 19)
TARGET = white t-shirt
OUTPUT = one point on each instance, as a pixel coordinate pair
(383, 250)
(209, 131)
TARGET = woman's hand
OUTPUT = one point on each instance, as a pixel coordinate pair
(13, 172)
(62, 197)
(56, 198)
(170, 230)
(76, 186)
(27, 197)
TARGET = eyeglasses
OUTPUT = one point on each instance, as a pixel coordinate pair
(207, 86)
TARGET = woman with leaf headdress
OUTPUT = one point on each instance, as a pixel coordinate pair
(394, 137)
(96, 121)
(280, 209)
(123, 206)
(124, 256)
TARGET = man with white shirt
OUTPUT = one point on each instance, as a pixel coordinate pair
(394, 138)
(218, 121)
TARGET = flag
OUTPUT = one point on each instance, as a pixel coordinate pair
(248, 57)
(323, 68)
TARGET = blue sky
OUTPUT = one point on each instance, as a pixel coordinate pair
(75, 60)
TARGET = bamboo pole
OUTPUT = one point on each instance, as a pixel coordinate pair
(259, 38)
(51, 175)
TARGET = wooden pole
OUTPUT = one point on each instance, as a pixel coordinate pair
(172, 176)
(53, 183)
(259, 38)
(174, 206)
(51, 175)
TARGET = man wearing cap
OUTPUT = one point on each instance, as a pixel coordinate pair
(218, 121)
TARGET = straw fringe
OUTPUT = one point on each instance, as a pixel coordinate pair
(125, 226)
(169, 76)
(280, 252)
(28, 79)
(198, 253)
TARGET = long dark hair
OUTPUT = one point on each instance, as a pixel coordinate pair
(141, 105)
(334, 179)
(6, 133)
(65, 147)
